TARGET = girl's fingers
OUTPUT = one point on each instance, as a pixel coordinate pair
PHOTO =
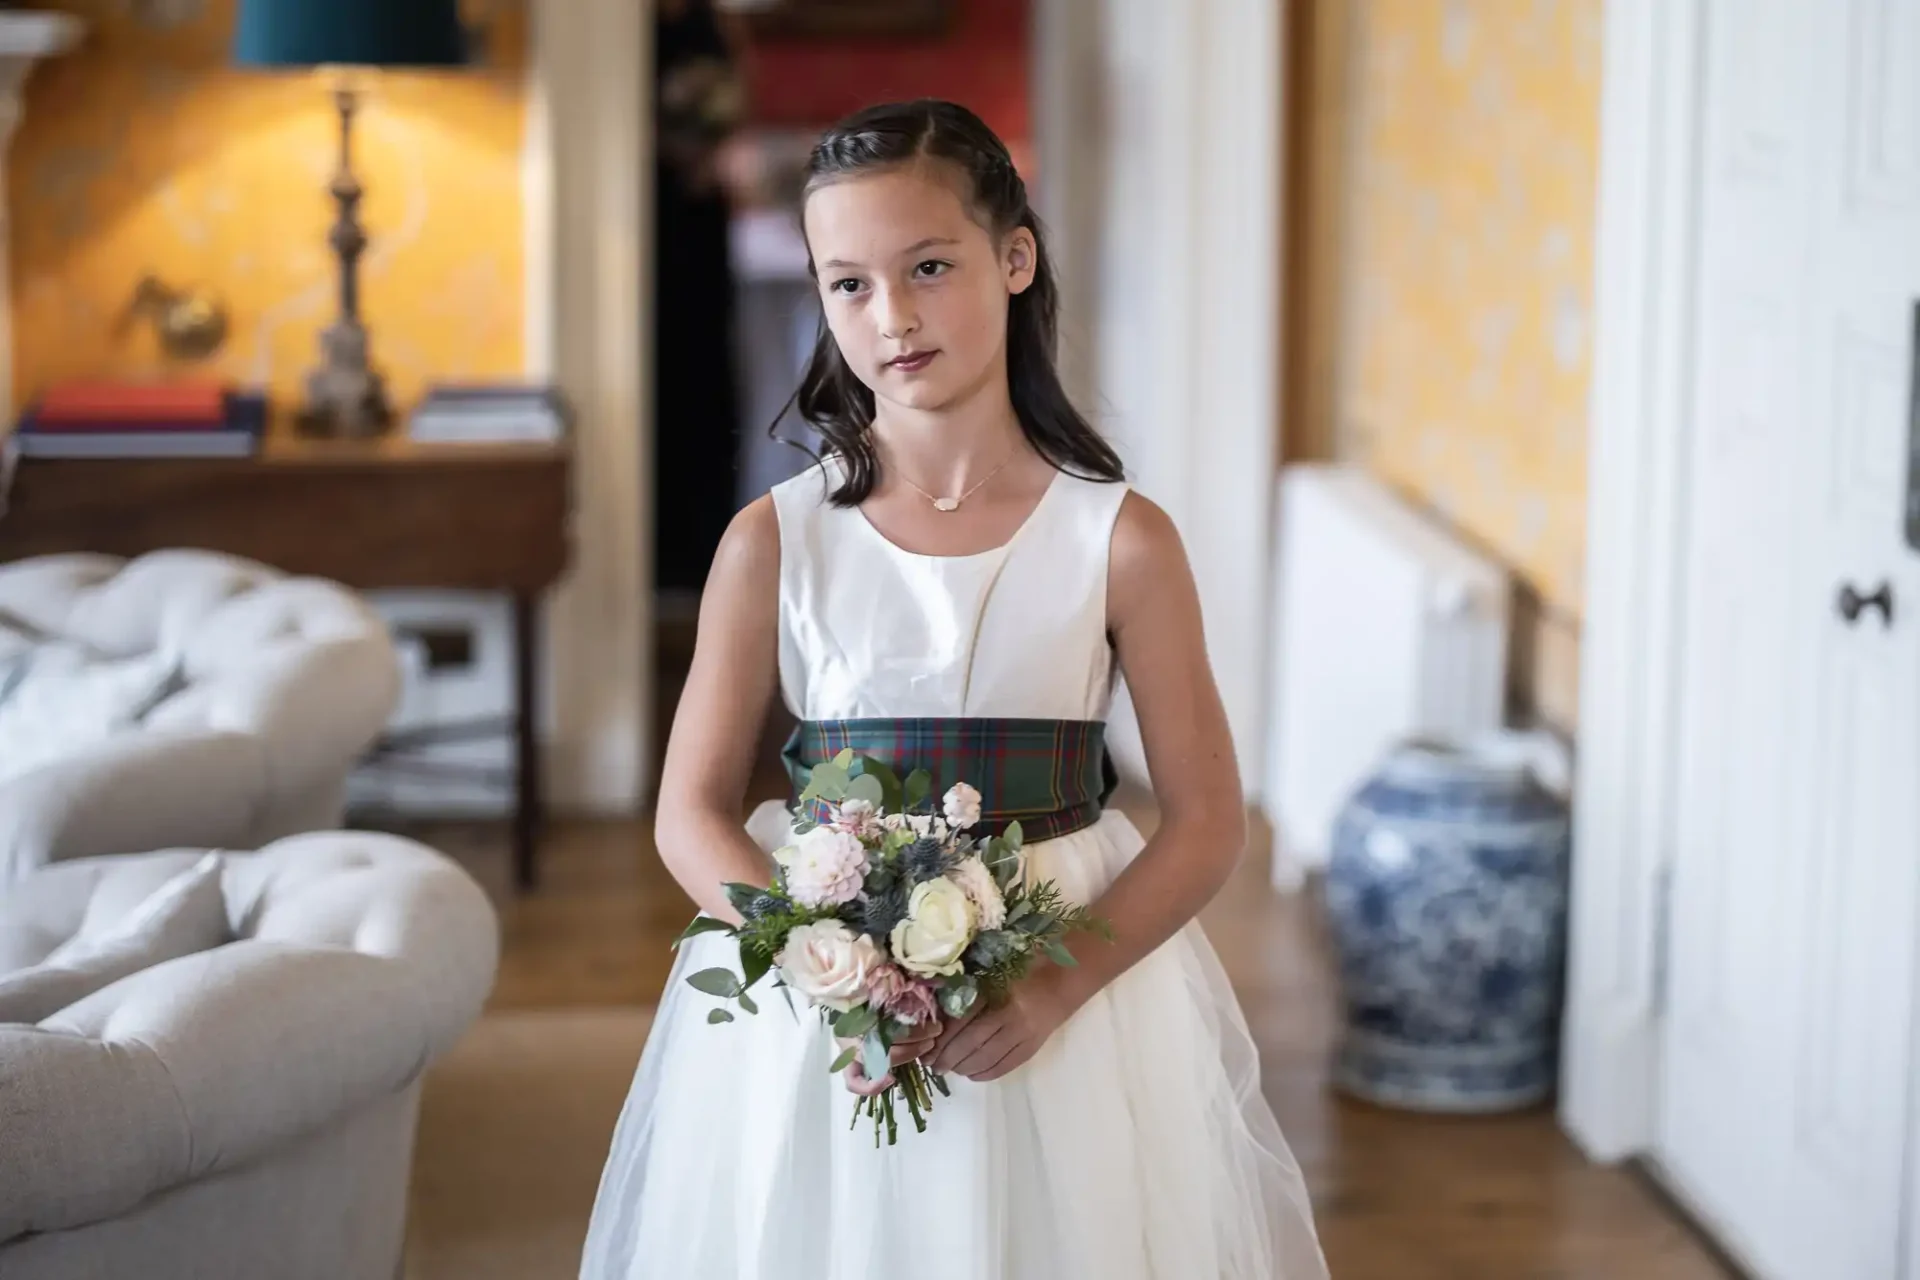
(857, 1082)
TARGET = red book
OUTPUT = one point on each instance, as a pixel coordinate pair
(82, 403)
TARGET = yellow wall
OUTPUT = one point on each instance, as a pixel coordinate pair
(143, 152)
(1468, 223)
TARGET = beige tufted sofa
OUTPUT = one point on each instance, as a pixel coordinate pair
(246, 1111)
(180, 698)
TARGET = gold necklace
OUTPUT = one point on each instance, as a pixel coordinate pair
(953, 504)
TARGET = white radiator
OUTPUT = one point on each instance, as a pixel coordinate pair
(1387, 626)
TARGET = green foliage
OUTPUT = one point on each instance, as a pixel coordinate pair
(869, 788)
(700, 925)
(855, 1022)
(828, 781)
(957, 995)
(993, 947)
(716, 982)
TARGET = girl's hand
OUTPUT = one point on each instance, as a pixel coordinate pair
(916, 1043)
(987, 1044)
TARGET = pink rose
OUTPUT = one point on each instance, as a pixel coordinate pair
(828, 962)
(898, 996)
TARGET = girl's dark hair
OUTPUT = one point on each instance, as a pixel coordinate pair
(838, 405)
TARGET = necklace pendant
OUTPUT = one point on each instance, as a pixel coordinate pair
(946, 504)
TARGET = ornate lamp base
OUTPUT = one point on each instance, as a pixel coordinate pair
(345, 397)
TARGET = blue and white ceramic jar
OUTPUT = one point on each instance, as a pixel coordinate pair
(1447, 894)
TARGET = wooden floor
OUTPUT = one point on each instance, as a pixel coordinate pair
(1399, 1196)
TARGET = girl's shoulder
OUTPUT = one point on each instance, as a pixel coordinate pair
(1146, 547)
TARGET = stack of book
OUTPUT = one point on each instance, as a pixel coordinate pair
(142, 420)
(489, 413)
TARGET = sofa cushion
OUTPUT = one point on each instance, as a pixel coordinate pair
(185, 915)
(60, 699)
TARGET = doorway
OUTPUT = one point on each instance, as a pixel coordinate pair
(742, 91)
(1747, 901)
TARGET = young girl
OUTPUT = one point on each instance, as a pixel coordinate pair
(968, 551)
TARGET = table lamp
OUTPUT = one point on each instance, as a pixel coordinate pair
(345, 397)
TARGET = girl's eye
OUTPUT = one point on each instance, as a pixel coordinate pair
(930, 268)
(846, 286)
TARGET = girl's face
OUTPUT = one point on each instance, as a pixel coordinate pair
(915, 291)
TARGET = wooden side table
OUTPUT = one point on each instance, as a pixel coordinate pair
(372, 515)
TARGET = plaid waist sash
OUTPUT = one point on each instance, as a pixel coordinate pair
(1053, 777)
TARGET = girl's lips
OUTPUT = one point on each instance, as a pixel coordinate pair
(913, 361)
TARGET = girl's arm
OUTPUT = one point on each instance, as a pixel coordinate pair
(722, 710)
(1153, 609)
(1153, 612)
(716, 732)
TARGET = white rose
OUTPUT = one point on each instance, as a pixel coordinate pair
(922, 824)
(978, 884)
(894, 821)
(962, 806)
(828, 867)
(828, 962)
(939, 926)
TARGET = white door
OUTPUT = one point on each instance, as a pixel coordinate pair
(1786, 1114)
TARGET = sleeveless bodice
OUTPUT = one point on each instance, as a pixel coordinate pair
(868, 629)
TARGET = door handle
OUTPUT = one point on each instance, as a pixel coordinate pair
(1853, 604)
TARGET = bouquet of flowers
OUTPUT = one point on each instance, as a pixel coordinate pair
(885, 915)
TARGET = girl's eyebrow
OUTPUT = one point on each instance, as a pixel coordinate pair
(841, 264)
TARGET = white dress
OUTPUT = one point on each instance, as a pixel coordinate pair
(1134, 1146)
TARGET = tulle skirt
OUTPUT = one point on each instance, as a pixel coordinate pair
(1134, 1146)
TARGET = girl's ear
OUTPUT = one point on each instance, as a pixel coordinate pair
(1022, 259)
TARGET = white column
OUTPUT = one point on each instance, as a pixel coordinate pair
(1650, 125)
(1158, 141)
(25, 38)
(586, 182)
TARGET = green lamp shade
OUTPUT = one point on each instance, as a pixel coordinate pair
(375, 33)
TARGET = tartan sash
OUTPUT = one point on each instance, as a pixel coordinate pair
(1054, 777)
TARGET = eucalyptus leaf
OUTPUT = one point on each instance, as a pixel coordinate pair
(992, 946)
(855, 1022)
(1059, 954)
(956, 999)
(845, 759)
(700, 925)
(715, 982)
(754, 966)
(1014, 836)
(746, 1003)
(915, 790)
(875, 1055)
(828, 782)
(889, 781)
(845, 1060)
(869, 788)
(715, 1016)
